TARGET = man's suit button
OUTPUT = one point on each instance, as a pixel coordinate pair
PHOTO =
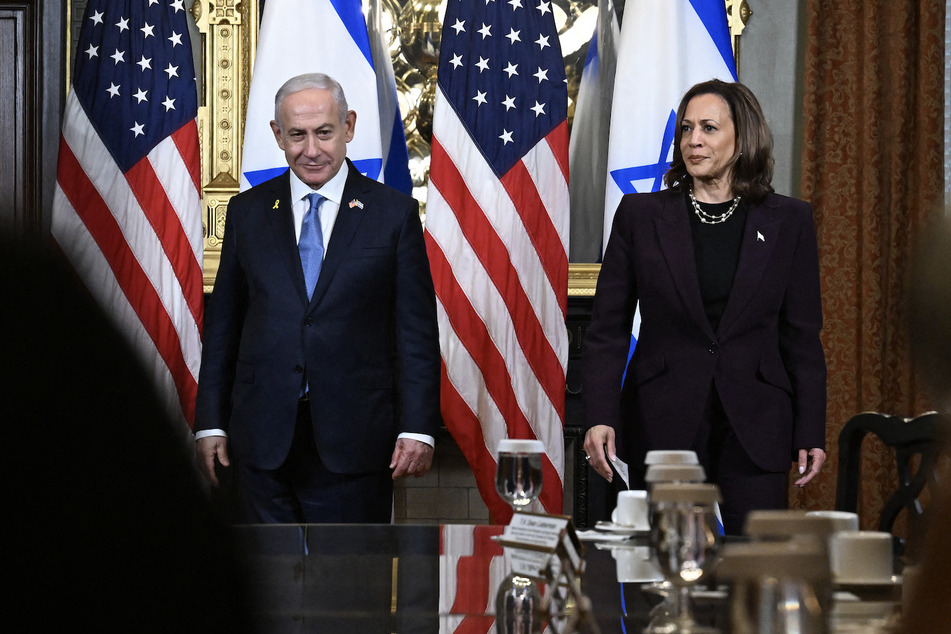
(309, 321)
(713, 348)
(298, 369)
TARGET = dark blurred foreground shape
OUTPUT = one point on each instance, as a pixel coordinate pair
(928, 606)
(107, 528)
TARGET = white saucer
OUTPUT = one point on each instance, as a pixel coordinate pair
(709, 595)
(620, 529)
(894, 580)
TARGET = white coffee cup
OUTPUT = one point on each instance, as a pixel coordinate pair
(674, 473)
(631, 510)
(670, 456)
(635, 565)
(860, 557)
(841, 520)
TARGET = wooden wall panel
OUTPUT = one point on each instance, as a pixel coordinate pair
(14, 88)
(31, 97)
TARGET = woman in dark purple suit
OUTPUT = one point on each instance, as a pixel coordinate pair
(725, 272)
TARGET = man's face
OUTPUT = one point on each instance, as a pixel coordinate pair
(311, 134)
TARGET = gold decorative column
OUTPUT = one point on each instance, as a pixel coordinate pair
(228, 39)
(738, 13)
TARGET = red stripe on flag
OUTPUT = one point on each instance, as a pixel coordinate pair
(160, 213)
(186, 140)
(472, 580)
(558, 141)
(135, 284)
(474, 336)
(551, 252)
(467, 432)
(493, 254)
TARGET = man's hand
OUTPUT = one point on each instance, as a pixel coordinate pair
(599, 438)
(817, 457)
(411, 457)
(208, 448)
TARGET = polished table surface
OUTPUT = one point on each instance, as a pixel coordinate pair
(408, 578)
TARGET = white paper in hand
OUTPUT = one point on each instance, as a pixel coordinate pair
(620, 467)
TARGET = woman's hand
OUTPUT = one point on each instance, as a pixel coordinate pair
(814, 456)
(597, 442)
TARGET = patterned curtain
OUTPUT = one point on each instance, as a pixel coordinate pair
(872, 166)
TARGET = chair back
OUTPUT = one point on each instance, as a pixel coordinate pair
(922, 436)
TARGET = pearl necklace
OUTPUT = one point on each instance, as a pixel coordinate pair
(710, 219)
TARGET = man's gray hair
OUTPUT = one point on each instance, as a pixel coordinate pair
(309, 81)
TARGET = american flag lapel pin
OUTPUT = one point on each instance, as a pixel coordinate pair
(276, 203)
(356, 203)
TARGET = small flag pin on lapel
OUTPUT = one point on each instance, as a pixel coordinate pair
(276, 203)
(759, 237)
(356, 203)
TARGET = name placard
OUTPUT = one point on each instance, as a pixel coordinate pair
(547, 536)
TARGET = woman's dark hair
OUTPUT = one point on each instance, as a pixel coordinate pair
(752, 160)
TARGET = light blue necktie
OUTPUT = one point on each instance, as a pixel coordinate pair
(311, 243)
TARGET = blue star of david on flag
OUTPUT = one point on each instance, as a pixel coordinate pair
(627, 176)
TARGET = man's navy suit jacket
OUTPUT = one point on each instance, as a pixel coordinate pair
(766, 358)
(367, 340)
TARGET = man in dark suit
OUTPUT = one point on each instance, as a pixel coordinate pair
(320, 368)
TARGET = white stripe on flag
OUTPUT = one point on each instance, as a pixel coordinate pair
(501, 213)
(490, 306)
(176, 180)
(105, 176)
(95, 271)
(552, 188)
(497, 233)
(126, 209)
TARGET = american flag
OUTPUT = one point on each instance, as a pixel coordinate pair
(471, 567)
(127, 207)
(497, 234)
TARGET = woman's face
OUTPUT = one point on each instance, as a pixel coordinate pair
(708, 138)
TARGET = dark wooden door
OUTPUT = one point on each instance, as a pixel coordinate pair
(32, 85)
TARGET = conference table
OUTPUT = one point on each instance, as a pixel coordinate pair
(413, 578)
(377, 579)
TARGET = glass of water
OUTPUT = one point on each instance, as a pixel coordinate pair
(518, 476)
(686, 544)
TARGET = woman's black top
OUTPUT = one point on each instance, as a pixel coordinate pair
(717, 251)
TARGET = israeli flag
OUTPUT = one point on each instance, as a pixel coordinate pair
(325, 36)
(665, 48)
(588, 146)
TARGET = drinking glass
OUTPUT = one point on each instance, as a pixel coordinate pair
(685, 542)
(518, 481)
(776, 588)
(671, 473)
(518, 477)
(518, 606)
